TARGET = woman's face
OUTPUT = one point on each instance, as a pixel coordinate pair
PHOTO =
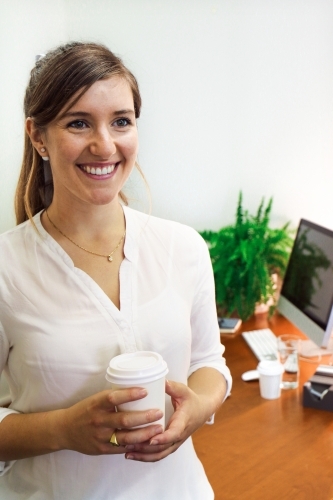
(93, 146)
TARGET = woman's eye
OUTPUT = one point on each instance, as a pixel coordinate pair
(122, 122)
(78, 124)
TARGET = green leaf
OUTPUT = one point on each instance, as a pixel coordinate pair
(244, 257)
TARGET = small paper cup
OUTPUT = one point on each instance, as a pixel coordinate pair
(145, 369)
(270, 376)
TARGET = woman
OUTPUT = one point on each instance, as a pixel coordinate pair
(85, 278)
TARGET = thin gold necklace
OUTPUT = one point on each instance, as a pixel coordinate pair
(108, 256)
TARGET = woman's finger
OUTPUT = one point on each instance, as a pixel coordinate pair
(114, 398)
(135, 436)
(130, 419)
(151, 453)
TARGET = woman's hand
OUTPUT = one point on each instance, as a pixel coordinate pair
(87, 426)
(188, 417)
(193, 405)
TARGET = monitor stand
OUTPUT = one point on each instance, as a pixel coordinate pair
(309, 349)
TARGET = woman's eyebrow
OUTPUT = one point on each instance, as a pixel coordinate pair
(73, 114)
(124, 111)
(70, 114)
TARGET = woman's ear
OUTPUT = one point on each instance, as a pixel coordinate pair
(36, 136)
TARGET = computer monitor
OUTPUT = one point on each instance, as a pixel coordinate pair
(306, 297)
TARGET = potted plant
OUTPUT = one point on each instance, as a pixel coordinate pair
(245, 257)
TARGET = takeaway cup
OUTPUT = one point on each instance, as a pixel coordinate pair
(145, 369)
(270, 376)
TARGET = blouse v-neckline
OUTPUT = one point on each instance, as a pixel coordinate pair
(124, 270)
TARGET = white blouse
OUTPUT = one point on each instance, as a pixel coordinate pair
(58, 332)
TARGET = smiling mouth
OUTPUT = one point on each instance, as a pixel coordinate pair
(98, 170)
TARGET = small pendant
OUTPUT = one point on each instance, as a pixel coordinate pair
(110, 259)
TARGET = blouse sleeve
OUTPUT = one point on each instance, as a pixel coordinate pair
(4, 349)
(207, 349)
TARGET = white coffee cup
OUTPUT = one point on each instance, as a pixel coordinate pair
(270, 375)
(145, 369)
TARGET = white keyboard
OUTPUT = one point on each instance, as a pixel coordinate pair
(262, 343)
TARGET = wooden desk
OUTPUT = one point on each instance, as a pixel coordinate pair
(266, 449)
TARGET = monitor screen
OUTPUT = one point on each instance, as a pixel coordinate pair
(307, 293)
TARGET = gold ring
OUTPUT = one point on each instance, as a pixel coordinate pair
(113, 440)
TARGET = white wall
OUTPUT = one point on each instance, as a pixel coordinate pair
(237, 94)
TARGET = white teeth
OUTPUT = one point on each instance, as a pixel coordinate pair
(99, 171)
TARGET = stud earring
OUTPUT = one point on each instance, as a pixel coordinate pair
(45, 158)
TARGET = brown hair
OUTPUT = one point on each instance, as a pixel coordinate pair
(54, 81)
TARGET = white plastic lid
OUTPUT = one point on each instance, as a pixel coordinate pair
(136, 367)
(267, 367)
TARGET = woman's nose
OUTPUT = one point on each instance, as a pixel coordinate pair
(103, 144)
